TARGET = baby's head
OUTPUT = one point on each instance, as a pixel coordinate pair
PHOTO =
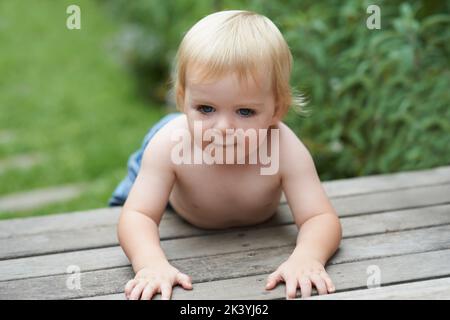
(232, 71)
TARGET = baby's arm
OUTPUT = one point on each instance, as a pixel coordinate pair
(320, 229)
(138, 226)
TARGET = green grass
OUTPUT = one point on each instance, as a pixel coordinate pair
(64, 96)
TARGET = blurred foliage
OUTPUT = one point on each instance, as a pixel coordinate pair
(379, 100)
(149, 37)
(65, 102)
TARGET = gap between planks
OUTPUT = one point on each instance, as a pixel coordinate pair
(174, 227)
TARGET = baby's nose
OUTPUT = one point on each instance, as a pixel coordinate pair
(223, 124)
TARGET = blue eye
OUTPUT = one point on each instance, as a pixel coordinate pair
(205, 109)
(246, 112)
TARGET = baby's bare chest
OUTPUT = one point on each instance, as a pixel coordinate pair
(226, 196)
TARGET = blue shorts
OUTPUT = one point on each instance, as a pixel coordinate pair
(121, 192)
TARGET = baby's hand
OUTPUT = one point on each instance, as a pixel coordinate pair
(160, 278)
(301, 272)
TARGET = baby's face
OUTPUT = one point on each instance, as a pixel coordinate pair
(226, 103)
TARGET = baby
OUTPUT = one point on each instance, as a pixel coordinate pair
(226, 158)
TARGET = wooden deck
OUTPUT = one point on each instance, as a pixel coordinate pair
(398, 224)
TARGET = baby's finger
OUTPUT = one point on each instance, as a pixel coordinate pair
(319, 283)
(328, 282)
(137, 290)
(291, 288)
(166, 291)
(272, 280)
(149, 291)
(129, 287)
(305, 286)
(184, 280)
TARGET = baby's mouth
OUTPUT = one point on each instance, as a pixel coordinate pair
(225, 142)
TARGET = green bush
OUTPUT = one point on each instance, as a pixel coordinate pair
(378, 99)
(149, 37)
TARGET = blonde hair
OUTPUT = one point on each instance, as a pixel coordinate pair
(240, 41)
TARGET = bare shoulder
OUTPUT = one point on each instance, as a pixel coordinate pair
(156, 174)
(158, 150)
(294, 155)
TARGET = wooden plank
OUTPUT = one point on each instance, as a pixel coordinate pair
(396, 220)
(59, 222)
(393, 200)
(213, 262)
(348, 276)
(336, 188)
(114, 257)
(386, 182)
(173, 227)
(251, 286)
(436, 289)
